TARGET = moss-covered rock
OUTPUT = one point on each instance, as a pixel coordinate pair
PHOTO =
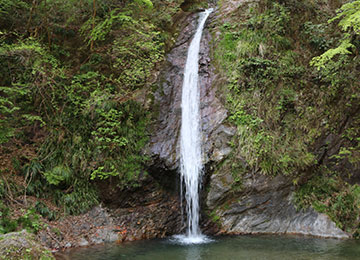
(22, 245)
(297, 127)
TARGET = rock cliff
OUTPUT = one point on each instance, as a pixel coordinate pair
(263, 204)
(164, 144)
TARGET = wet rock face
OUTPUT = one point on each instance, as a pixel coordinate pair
(164, 145)
(328, 147)
(157, 215)
(262, 204)
(157, 220)
(265, 205)
(149, 211)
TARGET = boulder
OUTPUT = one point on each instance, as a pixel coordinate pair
(265, 205)
(22, 245)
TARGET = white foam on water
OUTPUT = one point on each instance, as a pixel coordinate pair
(190, 240)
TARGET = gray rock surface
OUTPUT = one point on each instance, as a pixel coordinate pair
(94, 227)
(22, 245)
(264, 205)
(257, 203)
(155, 215)
(164, 144)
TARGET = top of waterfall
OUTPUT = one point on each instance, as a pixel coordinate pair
(208, 11)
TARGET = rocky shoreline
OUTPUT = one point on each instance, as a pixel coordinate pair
(102, 225)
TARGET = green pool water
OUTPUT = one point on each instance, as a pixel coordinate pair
(235, 247)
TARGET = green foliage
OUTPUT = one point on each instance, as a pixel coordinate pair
(194, 5)
(29, 221)
(6, 223)
(103, 28)
(32, 71)
(264, 76)
(349, 16)
(328, 193)
(79, 200)
(58, 175)
(278, 103)
(120, 135)
(10, 96)
(147, 3)
(214, 217)
(238, 170)
(317, 36)
(7, 107)
(2, 189)
(44, 211)
(6, 6)
(76, 108)
(10, 9)
(137, 43)
(273, 22)
(323, 59)
(136, 51)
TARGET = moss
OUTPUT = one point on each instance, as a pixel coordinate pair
(22, 245)
(261, 94)
(283, 107)
(72, 97)
(276, 107)
(327, 193)
(215, 218)
(15, 253)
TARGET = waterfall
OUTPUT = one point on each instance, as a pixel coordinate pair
(190, 140)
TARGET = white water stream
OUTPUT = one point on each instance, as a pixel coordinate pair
(190, 142)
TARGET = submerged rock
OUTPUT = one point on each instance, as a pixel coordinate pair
(22, 245)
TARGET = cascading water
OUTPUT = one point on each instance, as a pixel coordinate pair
(190, 143)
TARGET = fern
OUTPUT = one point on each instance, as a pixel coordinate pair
(349, 15)
(323, 59)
